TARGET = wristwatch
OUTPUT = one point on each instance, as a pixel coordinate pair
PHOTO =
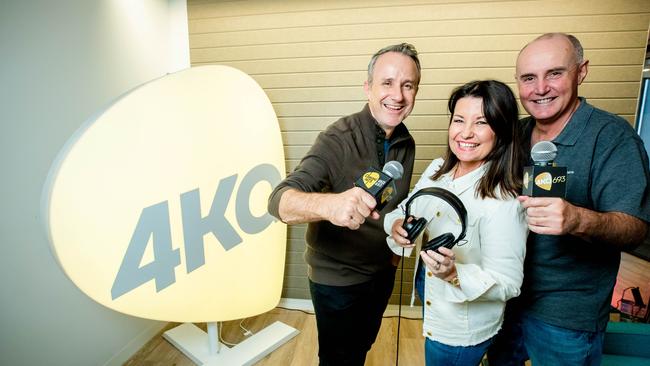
(455, 281)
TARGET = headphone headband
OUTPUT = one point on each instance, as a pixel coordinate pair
(448, 197)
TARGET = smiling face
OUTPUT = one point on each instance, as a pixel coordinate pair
(391, 94)
(471, 138)
(548, 76)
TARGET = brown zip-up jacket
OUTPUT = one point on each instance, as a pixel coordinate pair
(338, 256)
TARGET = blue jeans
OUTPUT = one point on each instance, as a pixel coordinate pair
(439, 354)
(508, 348)
(419, 281)
(436, 353)
(550, 345)
(545, 344)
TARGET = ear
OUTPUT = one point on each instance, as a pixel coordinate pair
(582, 71)
(366, 88)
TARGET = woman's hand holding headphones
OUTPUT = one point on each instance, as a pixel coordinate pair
(399, 234)
(442, 263)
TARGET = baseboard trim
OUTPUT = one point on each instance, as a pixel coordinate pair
(410, 312)
(136, 344)
(297, 304)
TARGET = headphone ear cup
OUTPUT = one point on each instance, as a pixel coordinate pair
(444, 240)
(414, 227)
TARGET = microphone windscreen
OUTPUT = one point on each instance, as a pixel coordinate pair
(543, 152)
(394, 169)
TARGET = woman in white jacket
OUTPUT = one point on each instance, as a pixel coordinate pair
(464, 289)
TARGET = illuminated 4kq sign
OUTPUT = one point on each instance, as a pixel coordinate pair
(157, 207)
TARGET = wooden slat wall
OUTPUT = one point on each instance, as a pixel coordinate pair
(311, 57)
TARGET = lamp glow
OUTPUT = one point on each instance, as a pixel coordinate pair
(157, 207)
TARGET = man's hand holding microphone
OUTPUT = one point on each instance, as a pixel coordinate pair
(550, 215)
(544, 190)
(369, 195)
(349, 208)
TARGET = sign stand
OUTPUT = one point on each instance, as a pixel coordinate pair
(205, 349)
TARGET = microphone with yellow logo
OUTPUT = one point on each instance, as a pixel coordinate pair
(381, 184)
(544, 178)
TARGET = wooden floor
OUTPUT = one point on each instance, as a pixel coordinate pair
(302, 350)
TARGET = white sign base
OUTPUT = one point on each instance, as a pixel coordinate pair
(197, 344)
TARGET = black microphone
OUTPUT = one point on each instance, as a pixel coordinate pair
(544, 178)
(381, 184)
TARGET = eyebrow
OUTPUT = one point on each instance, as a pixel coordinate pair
(391, 78)
(405, 81)
(558, 68)
(463, 117)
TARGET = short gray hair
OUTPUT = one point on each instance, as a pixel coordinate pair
(403, 48)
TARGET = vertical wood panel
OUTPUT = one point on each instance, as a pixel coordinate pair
(311, 57)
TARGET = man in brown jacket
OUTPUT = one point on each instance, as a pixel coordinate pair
(351, 269)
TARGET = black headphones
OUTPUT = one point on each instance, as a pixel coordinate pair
(417, 225)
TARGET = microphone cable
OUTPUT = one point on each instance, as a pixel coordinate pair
(399, 306)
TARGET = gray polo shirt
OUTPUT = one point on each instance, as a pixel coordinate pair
(569, 282)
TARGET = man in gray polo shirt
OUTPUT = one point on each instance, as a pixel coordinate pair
(574, 246)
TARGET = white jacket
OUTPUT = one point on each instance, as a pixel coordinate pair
(489, 261)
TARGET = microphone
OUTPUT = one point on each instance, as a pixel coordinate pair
(381, 184)
(544, 178)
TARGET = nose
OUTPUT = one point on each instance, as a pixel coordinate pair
(541, 86)
(468, 130)
(396, 92)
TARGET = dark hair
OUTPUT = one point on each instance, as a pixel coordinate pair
(403, 48)
(507, 157)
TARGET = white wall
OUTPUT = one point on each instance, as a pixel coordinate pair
(61, 61)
